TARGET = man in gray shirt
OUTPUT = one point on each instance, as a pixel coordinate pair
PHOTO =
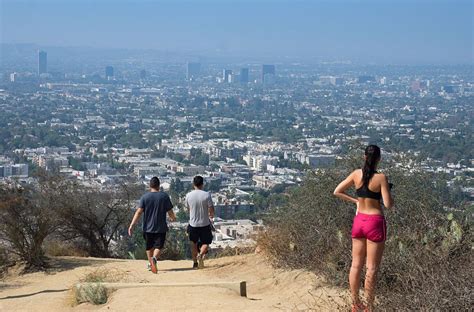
(201, 211)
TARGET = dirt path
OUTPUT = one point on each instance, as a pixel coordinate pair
(268, 289)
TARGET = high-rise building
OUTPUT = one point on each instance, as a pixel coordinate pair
(365, 78)
(13, 77)
(143, 74)
(337, 81)
(109, 72)
(193, 70)
(244, 75)
(227, 75)
(268, 73)
(42, 62)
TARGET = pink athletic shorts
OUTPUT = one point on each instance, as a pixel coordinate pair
(371, 227)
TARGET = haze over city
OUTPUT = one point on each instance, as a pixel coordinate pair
(382, 32)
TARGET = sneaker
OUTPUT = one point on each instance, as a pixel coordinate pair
(154, 269)
(200, 259)
(195, 265)
(148, 266)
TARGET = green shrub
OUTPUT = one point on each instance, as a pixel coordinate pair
(90, 288)
(94, 293)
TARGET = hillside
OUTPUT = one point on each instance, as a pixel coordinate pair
(268, 289)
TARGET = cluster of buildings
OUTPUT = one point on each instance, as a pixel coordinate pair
(246, 128)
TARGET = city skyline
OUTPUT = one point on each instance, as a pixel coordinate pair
(382, 32)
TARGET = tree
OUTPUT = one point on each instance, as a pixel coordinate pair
(182, 215)
(27, 218)
(97, 217)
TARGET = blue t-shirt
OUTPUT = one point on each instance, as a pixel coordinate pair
(155, 206)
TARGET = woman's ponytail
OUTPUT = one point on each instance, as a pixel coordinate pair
(372, 156)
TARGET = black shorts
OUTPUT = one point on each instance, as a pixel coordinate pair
(154, 240)
(200, 234)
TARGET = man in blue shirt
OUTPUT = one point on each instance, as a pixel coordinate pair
(154, 206)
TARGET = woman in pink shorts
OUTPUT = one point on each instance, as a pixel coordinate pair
(369, 229)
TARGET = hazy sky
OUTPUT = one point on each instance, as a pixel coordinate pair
(382, 31)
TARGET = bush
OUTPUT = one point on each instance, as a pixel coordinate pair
(4, 261)
(96, 218)
(26, 219)
(427, 251)
(93, 293)
(90, 288)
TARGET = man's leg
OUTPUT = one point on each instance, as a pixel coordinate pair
(204, 249)
(156, 253)
(205, 236)
(194, 250)
(149, 254)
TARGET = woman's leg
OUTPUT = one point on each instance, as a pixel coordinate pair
(358, 258)
(374, 257)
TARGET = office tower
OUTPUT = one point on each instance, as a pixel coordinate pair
(42, 62)
(13, 77)
(227, 75)
(109, 72)
(268, 73)
(193, 70)
(337, 81)
(143, 74)
(244, 75)
(416, 86)
(449, 89)
(364, 79)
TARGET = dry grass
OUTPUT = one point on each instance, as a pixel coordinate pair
(229, 251)
(89, 289)
(57, 248)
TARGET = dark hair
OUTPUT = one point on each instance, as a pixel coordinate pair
(198, 181)
(372, 156)
(155, 183)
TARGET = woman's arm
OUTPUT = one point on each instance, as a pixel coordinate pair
(386, 194)
(343, 186)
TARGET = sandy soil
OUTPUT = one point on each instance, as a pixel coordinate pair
(268, 289)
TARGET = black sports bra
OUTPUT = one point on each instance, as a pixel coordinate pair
(364, 192)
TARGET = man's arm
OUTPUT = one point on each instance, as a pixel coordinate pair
(171, 215)
(136, 216)
(169, 209)
(211, 212)
(210, 206)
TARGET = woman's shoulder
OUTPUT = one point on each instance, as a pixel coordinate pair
(357, 172)
(380, 176)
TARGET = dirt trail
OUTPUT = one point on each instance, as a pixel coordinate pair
(267, 289)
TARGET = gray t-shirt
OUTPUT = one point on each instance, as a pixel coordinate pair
(155, 206)
(198, 203)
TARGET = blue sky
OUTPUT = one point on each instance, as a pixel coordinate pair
(383, 31)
